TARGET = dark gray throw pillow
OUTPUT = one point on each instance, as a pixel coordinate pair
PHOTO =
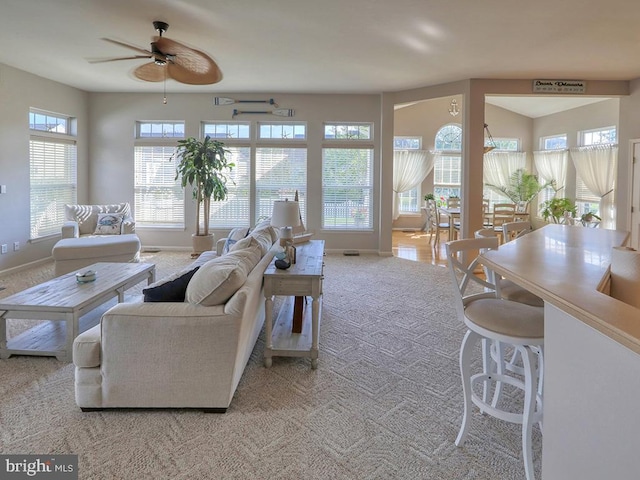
(173, 291)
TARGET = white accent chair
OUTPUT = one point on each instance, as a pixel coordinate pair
(491, 319)
(81, 246)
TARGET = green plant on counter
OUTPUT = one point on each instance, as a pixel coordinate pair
(557, 209)
(429, 196)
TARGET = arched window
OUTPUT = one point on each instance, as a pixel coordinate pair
(447, 168)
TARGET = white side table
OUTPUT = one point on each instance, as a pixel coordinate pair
(303, 279)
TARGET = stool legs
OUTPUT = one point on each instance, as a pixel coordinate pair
(466, 351)
(531, 385)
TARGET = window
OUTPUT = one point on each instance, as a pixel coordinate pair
(282, 131)
(347, 188)
(279, 173)
(236, 130)
(160, 129)
(158, 196)
(409, 200)
(52, 172)
(447, 169)
(234, 211)
(348, 131)
(586, 201)
(553, 142)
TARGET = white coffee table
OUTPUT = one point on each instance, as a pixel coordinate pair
(64, 299)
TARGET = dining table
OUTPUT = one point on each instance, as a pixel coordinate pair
(454, 213)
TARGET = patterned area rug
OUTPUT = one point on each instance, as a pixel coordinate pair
(384, 403)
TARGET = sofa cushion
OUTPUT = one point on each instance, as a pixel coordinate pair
(217, 280)
(171, 291)
(234, 235)
(99, 248)
(109, 224)
(262, 237)
(87, 215)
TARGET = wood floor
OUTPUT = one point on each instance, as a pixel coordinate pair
(415, 246)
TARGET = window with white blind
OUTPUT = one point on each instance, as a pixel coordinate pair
(447, 167)
(280, 171)
(587, 201)
(158, 196)
(234, 211)
(52, 181)
(347, 188)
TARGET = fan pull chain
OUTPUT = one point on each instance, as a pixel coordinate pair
(164, 86)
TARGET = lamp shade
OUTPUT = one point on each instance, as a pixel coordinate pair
(286, 213)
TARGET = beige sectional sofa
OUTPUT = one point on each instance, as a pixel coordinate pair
(180, 354)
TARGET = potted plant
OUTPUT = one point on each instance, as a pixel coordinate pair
(590, 219)
(522, 188)
(558, 209)
(203, 165)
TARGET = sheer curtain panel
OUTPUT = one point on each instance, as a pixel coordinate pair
(552, 165)
(597, 166)
(410, 167)
(499, 166)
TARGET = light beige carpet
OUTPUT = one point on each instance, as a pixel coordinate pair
(384, 403)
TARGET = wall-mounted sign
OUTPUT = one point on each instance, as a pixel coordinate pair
(559, 86)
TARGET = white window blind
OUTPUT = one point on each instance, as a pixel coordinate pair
(279, 173)
(53, 183)
(234, 211)
(158, 197)
(347, 188)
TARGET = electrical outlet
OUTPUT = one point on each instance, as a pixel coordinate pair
(3, 249)
(16, 246)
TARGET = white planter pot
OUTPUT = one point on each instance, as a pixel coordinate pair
(202, 243)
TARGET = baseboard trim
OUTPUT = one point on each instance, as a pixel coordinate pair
(25, 266)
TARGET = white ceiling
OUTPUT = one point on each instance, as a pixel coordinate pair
(327, 46)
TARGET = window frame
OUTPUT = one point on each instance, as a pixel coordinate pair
(51, 215)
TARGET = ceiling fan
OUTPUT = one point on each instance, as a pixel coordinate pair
(171, 60)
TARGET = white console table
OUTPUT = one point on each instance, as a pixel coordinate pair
(303, 279)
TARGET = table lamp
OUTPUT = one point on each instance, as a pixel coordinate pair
(286, 215)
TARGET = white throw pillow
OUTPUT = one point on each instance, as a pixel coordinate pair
(235, 235)
(217, 280)
(109, 224)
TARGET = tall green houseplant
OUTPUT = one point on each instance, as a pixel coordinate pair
(203, 165)
(522, 188)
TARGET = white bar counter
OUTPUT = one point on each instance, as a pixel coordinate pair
(592, 351)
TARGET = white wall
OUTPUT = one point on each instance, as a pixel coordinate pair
(20, 91)
(113, 117)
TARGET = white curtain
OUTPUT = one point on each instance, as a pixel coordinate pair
(499, 166)
(409, 169)
(597, 166)
(552, 165)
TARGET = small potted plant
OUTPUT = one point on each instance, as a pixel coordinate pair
(203, 165)
(590, 219)
(558, 209)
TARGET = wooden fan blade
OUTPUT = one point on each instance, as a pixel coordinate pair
(126, 45)
(104, 60)
(151, 72)
(188, 65)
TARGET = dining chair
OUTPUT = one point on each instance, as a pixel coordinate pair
(517, 229)
(436, 225)
(490, 319)
(502, 213)
(453, 202)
